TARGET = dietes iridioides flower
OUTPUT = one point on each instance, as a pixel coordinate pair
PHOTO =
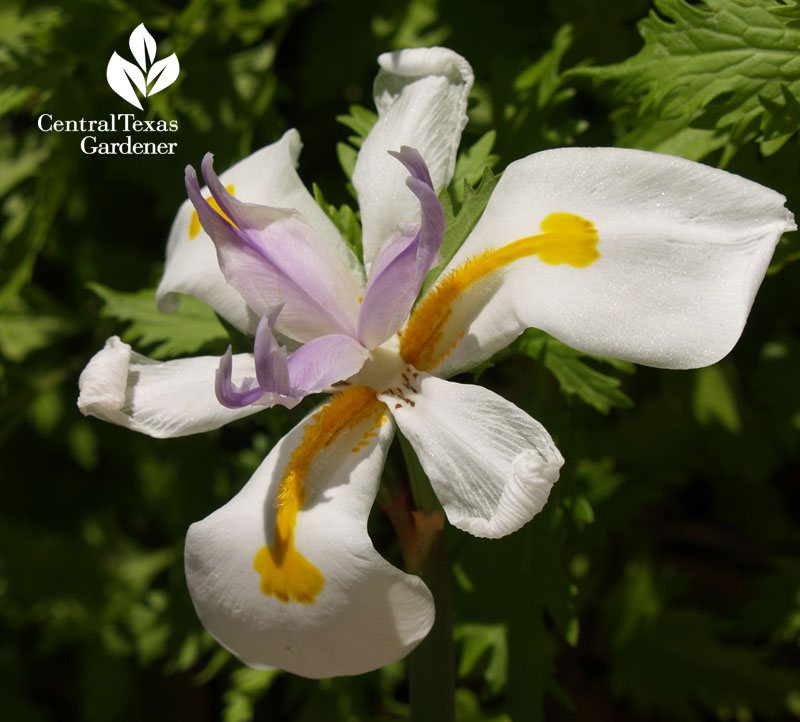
(621, 253)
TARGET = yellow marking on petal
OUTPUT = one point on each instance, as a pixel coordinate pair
(369, 434)
(448, 350)
(285, 573)
(194, 224)
(565, 238)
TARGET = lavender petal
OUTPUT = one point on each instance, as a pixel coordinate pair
(230, 395)
(394, 284)
(413, 163)
(324, 361)
(269, 256)
(272, 370)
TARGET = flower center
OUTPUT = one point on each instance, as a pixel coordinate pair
(383, 365)
(402, 389)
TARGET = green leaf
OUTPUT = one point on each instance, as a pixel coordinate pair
(639, 602)
(147, 624)
(599, 476)
(724, 64)
(670, 136)
(214, 666)
(138, 569)
(484, 653)
(360, 120)
(459, 224)
(541, 84)
(772, 610)
(574, 375)
(29, 225)
(715, 400)
(542, 97)
(22, 332)
(582, 511)
(687, 665)
(188, 653)
(415, 24)
(347, 158)
(345, 219)
(471, 164)
(468, 708)
(21, 30)
(185, 331)
(247, 687)
(17, 164)
(543, 74)
(790, 12)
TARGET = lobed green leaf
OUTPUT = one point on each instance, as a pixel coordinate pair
(185, 331)
(574, 375)
(730, 66)
(360, 120)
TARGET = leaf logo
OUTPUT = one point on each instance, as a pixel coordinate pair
(124, 76)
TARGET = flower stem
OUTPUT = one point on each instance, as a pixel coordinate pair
(419, 520)
(431, 665)
(424, 497)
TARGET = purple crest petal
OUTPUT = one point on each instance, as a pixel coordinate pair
(324, 361)
(393, 248)
(398, 272)
(286, 380)
(230, 395)
(413, 163)
(271, 385)
(272, 370)
(267, 255)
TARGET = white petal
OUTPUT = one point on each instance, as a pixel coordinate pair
(163, 399)
(366, 614)
(682, 251)
(421, 97)
(491, 465)
(267, 177)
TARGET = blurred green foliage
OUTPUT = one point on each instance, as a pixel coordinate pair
(661, 582)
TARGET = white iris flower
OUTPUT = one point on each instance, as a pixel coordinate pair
(620, 253)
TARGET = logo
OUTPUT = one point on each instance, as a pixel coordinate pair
(149, 77)
(143, 137)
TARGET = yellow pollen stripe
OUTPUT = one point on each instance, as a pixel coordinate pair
(194, 224)
(566, 238)
(285, 572)
(370, 434)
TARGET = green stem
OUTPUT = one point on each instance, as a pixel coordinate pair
(419, 521)
(431, 664)
(424, 497)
